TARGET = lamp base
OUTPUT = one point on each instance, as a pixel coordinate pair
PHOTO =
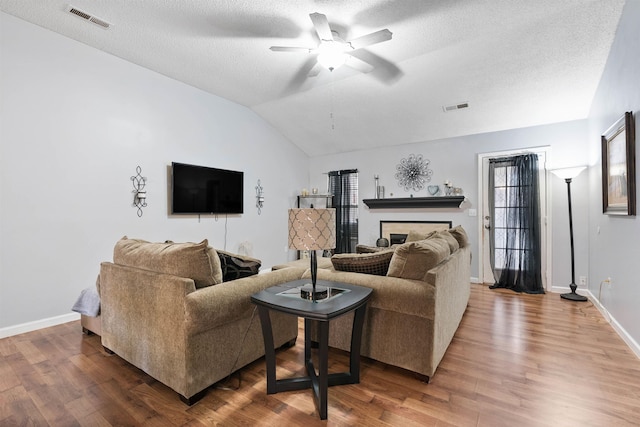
(307, 292)
(572, 296)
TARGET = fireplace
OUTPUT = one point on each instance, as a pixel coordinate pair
(397, 238)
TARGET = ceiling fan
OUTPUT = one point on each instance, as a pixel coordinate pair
(333, 51)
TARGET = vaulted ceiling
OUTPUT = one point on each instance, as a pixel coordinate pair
(516, 63)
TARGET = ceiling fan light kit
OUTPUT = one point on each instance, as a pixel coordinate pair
(332, 54)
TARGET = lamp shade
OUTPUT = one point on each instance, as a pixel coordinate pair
(312, 229)
(568, 173)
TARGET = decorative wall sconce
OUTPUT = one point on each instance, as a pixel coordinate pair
(259, 197)
(139, 194)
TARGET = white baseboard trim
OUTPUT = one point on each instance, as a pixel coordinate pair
(566, 289)
(628, 339)
(475, 280)
(37, 324)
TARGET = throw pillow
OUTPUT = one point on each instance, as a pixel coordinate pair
(448, 237)
(460, 235)
(414, 236)
(414, 259)
(368, 263)
(235, 266)
(196, 261)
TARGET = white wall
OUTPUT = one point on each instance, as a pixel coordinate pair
(614, 240)
(75, 124)
(455, 159)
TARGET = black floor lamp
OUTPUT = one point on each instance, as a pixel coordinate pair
(568, 174)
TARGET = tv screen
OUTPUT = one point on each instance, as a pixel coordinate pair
(204, 190)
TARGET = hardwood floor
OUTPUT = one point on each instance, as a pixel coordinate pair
(516, 360)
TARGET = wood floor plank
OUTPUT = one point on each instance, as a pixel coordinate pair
(18, 408)
(8, 378)
(94, 419)
(516, 360)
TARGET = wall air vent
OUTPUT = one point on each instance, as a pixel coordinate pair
(88, 17)
(454, 107)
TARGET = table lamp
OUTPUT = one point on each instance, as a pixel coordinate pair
(311, 230)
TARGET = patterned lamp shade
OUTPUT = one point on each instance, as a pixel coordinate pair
(312, 229)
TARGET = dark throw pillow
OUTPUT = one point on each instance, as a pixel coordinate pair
(235, 266)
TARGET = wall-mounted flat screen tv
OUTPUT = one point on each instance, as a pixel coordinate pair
(205, 190)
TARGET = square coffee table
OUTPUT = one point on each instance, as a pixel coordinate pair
(343, 298)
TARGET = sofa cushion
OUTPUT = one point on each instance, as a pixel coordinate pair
(413, 260)
(368, 263)
(196, 261)
(460, 235)
(235, 266)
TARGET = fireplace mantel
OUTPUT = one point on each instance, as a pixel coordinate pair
(415, 202)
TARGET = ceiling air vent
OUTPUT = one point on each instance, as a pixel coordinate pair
(88, 17)
(454, 107)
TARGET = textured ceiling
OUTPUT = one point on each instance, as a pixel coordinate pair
(516, 62)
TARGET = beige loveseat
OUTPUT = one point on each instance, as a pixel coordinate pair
(416, 305)
(166, 309)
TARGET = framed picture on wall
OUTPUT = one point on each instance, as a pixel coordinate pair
(619, 168)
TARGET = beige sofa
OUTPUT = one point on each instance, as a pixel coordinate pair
(412, 317)
(166, 309)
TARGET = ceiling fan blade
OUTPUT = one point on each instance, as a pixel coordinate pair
(385, 71)
(321, 24)
(290, 49)
(300, 79)
(315, 70)
(369, 39)
(358, 64)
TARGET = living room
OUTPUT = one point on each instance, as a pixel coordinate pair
(77, 122)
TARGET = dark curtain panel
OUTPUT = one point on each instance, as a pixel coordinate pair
(515, 242)
(344, 187)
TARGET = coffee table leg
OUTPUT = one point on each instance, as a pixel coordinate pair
(269, 348)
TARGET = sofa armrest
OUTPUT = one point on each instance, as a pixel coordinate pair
(228, 301)
(143, 314)
(452, 283)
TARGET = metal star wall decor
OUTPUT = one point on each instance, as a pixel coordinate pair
(413, 172)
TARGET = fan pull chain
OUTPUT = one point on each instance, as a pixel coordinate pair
(331, 102)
